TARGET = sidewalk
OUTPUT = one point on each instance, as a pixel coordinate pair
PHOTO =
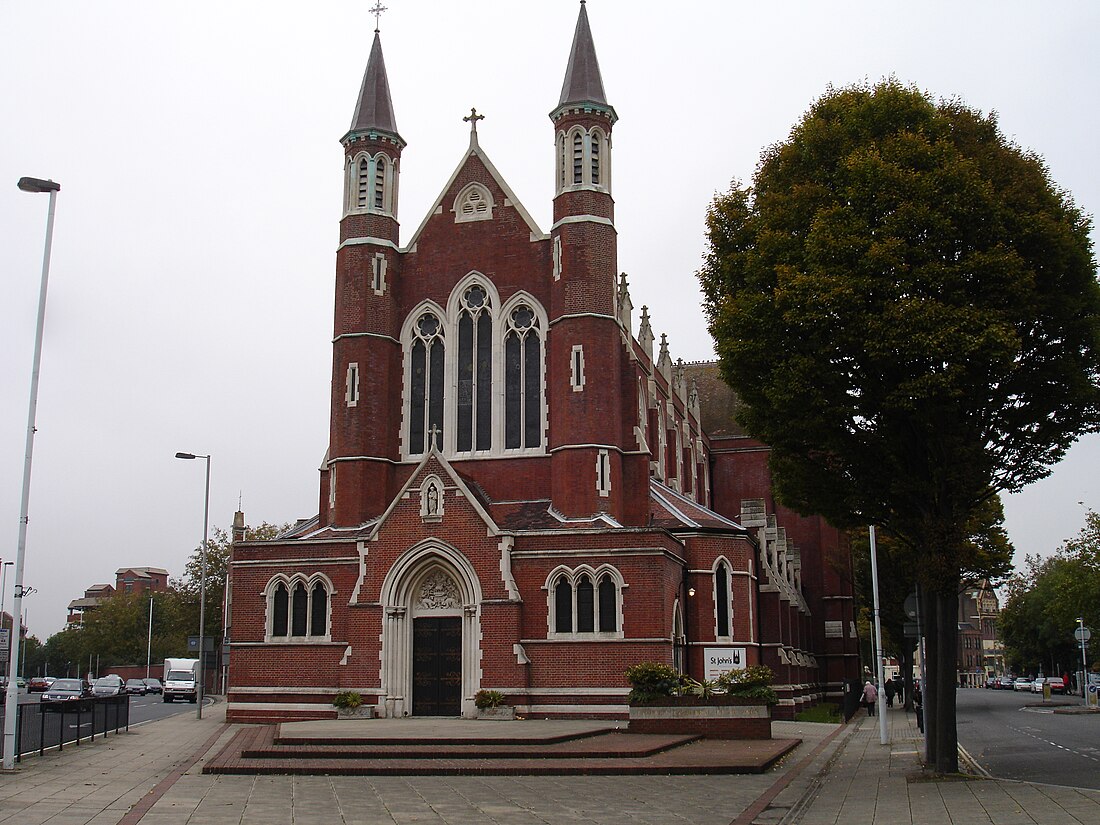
(152, 776)
(865, 782)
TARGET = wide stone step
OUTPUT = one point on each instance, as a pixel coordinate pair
(254, 751)
(606, 746)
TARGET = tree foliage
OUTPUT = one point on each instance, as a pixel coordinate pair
(908, 309)
(116, 632)
(1045, 600)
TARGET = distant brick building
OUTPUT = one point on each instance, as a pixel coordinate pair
(980, 649)
(127, 580)
(520, 492)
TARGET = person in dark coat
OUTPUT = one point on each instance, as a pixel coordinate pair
(890, 693)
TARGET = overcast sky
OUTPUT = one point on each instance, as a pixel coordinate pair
(197, 145)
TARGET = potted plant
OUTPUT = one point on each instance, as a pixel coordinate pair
(349, 705)
(490, 705)
(733, 706)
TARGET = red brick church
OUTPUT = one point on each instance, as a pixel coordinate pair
(521, 492)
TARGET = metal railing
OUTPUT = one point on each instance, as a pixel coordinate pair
(47, 725)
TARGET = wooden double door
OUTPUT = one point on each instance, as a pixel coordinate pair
(437, 666)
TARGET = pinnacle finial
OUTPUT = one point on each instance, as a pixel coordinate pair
(377, 12)
(472, 119)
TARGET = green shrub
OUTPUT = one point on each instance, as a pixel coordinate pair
(488, 699)
(652, 680)
(754, 682)
(348, 699)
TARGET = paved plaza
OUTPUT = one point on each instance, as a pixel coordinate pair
(153, 775)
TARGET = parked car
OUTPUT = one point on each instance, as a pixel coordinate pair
(1055, 682)
(153, 686)
(66, 693)
(136, 687)
(38, 684)
(1022, 683)
(108, 686)
(1006, 682)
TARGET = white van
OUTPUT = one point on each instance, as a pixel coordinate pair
(181, 679)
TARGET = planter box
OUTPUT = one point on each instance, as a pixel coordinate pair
(719, 717)
(504, 713)
(361, 712)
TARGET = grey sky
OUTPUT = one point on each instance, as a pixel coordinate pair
(197, 146)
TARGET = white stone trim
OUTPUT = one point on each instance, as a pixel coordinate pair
(378, 273)
(576, 368)
(603, 474)
(600, 219)
(480, 201)
(365, 335)
(372, 240)
(351, 385)
(572, 576)
(557, 258)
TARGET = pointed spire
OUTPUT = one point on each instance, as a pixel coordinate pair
(374, 109)
(583, 83)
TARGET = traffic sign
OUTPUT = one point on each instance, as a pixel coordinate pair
(1082, 634)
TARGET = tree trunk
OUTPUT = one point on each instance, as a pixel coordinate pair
(929, 667)
(945, 755)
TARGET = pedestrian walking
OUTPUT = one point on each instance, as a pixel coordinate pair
(890, 693)
(918, 706)
(870, 696)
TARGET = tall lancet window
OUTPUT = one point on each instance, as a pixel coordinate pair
(380, 182)
(426, 390)
(475, 372)
(561, 162)
(363, 183)
(578, 158)
(523, 380)
(595, 138)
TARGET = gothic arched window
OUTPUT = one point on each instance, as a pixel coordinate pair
(563, 606)
(609, 610)
(522, 380)
(362, 183)
(722, 600)
(586, 622)
(426, 384)
(475, 372)
(280, 613)
(578, 158)
(298, 610)
(380, 182)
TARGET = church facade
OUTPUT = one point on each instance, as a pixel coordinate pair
(521, 491)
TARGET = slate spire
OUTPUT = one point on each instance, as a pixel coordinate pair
(583, 84)
(374, 109)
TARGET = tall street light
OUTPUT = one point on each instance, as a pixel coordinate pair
(199, 688)
(3, 590)
(11, 701)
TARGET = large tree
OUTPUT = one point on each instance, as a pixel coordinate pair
(908, 308)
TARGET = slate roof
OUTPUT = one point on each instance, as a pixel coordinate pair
(374, 109)
(583, 83)
(675, 511)
(718, 404)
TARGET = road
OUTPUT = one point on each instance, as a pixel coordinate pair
(1014, 741)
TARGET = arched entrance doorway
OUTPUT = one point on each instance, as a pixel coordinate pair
(431, 639)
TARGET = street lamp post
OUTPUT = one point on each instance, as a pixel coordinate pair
(200, 688)
(1084, 660)
(11, 700)
(884, 737)
(3, 591)
(149, 641)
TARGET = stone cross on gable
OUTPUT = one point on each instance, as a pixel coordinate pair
(434, 432)
(377, 12)
(472, 119)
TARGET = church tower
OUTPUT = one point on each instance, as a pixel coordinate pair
(589, 436)
(366, 362)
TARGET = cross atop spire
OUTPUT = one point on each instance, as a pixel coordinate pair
(377, 12)
(472, 119)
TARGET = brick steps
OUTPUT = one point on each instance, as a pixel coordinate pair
(256, 750)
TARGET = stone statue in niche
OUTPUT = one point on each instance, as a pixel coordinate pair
(432, 508)
(439, 591)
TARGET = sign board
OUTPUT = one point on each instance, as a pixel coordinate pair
(834, 630)
(718, 660)
(1082, 634)
(193, 643)
(911, 629)
(5, 638)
